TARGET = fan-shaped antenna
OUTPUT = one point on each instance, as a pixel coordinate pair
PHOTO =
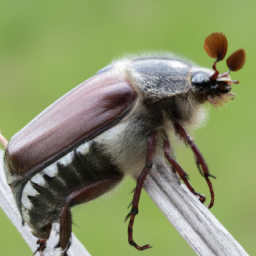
(216, 45)
(236, 60)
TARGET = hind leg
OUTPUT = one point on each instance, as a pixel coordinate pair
(44, 234)
(78, 197)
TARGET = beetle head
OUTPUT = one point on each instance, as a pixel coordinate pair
(212, 86)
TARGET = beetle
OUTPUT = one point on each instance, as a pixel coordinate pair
(117, 123)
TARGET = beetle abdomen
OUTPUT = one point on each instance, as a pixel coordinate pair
(45, 194)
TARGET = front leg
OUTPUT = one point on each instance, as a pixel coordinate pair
(137, 192)
(180, 171)
(199, 158)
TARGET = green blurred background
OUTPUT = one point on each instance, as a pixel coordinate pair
(48, 47)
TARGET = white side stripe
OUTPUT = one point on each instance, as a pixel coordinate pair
(51, 170)
(28, 191)
(38, 179)
(84, 148)
(67, 159)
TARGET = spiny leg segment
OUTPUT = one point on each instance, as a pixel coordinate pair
(180, 171)
(201, 163)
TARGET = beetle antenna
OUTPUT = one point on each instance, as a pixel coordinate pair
(235, 62)
(216, 45)
(224, 74)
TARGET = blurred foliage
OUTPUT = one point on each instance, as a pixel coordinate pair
(48, 47)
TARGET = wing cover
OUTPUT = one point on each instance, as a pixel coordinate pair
(81, 112)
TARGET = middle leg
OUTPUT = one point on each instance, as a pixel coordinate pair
(136, 197)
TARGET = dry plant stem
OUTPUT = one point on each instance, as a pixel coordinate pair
(202, 231)
(9, 207)
(3, 140)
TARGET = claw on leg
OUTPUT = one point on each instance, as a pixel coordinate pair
(130, 229)
(42, 246)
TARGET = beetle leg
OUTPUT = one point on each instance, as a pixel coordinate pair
(198, 166)
(42, 246)
(201, 162)
(65, 227)
(42, 241)
(78, 197)
(130, 204)
(180, 171)
(136, 197)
